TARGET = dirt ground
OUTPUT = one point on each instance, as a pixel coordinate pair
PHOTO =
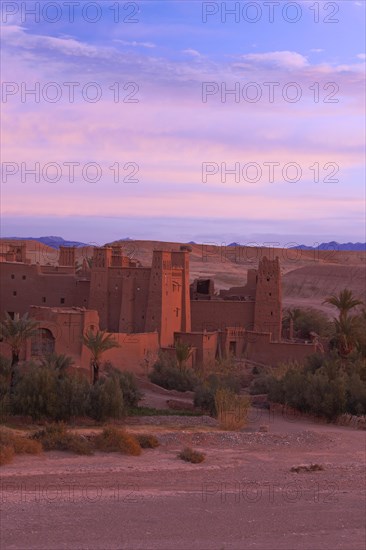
(242, 496)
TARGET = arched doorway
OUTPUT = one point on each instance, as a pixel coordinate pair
(43, 343)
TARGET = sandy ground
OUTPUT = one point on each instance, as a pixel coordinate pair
(242, 496)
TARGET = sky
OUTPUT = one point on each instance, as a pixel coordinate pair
(184, 120)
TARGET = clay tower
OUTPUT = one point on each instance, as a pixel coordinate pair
(268, 298)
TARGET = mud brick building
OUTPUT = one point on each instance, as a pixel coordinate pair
(145, 308)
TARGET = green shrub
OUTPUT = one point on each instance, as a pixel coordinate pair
(106, 400)
(41, 392)
(189, 455)
(147, 441)
(169, 376)
(309, 320)
(35, 392)
(204, 395)
(116, 440)
(127, 381)
(204, 398)
(327, 386)
(72, 396)
(260, 385)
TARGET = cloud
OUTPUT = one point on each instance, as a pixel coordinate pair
(135, 44)
(317, 50)
(283, 59)
(361, 55)
(193, 53)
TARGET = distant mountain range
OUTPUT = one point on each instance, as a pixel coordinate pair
(333, 245)
(56, 242)
(53, 242)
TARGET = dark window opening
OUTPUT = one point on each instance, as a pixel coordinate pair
(11, 314)
(203, 286)
(62, 301)
(14, 292)
(12, 276)
(43, 300)
(24, 277)
(232, 348)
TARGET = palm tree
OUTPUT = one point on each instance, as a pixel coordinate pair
(182, 352)
(347, 333)
(60, 363)
(344, 302)
(98, 343)
(15, 332)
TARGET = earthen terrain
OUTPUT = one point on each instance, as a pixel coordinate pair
(243, 496)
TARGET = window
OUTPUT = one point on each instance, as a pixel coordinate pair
(24, 277)
(62, 301)
(44, 300)
(12, 276)
(14, 292)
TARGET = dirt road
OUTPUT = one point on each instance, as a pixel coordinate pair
(243, 496)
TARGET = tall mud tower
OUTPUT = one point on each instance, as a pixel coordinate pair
(268, 298)
(168, 309)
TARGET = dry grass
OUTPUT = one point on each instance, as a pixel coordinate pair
(147, 441)
(232, 409)
(6, 454)
(116, 440)
(311, 468)
(55, 437)
(189, 455)
(12, 444)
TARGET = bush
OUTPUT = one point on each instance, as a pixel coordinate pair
(232, 409)
(204, 395)
(327, 386)
(12, 444)
(260, 385)
(35, 392)
(6, 454)
(72, 397)
(40, 392)
(147, 441)
(106, 400)
(55, 437)
(127, 381)
(169, 376)
(204, 398)
(309, 320)
(189, 455)
(115, 440)
(4, 387)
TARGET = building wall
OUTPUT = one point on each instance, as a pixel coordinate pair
(23, 285)
(217, 315)
(261, 349)
(204, 343)
(134, 348)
